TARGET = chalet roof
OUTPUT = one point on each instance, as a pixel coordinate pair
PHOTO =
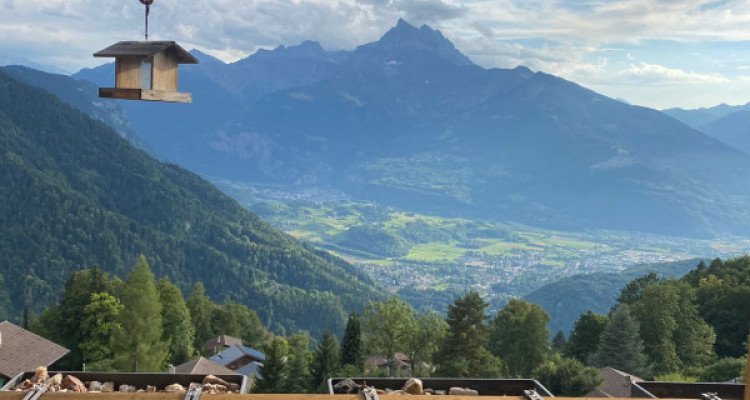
(21, 350)
(615, 384)
(146, 48)
(202, 366)
(250, 370)
(221, 341)
(236, 352)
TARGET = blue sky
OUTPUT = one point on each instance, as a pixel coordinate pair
(656, 53)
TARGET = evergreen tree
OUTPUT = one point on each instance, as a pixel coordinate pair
(519, 336)
(298, 364)
(463, 353)
(584, 339)
(351, 343)
(325, 362)
(201, 308)
(177, 328)
(67, 321)
(273, 374)
(99, 320)
(620, 345)
(558, 342)
(567, 377)
(137, 344)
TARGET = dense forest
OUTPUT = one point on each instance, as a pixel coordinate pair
(75, 194)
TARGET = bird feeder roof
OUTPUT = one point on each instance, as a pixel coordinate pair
(145, 49)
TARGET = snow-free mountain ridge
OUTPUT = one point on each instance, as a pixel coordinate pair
(410, 121)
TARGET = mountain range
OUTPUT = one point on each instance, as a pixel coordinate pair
(74, 194)
(729, 124)
(411, 122)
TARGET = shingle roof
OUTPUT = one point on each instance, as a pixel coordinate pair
(616, 383)
(235, 352)
(21, 350)
(202, 366)
(146, 48)
(251, 370)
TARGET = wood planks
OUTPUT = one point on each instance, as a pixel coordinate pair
(142, 94)
(128, 73)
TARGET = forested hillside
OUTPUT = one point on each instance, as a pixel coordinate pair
(692, 328)
(75, 194)
(567, 298)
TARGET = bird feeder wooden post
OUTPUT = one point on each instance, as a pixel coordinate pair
(146, 70)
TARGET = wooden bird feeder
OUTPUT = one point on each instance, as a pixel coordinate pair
(146, 70)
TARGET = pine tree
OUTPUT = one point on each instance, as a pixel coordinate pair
(177, 328)
(519, 336)
(558, 342)
(273, 373)
(620, 345)
(298, 364)
(137, 344)
(325, 362)
(351, 343)
(200, 307)
(584, 339)
(463, 353)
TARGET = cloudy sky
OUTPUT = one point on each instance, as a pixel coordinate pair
(656, 53)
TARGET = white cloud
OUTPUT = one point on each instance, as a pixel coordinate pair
(654, 73)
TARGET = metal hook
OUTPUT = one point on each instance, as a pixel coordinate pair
(147, 3)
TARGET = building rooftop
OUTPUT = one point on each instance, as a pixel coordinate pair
(236, 352)
(202, 366)
(21, 350)
(146, 48)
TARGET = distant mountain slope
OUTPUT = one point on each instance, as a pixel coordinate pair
(566, 299)
(82, 95)
(733, 129)
(74, 194)
(410, 121)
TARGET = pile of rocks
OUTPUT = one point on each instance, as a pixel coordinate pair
(412, 386)
(70, 383)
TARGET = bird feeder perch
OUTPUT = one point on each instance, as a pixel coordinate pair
(146, 70)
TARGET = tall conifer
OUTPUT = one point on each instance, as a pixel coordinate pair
(177, 328)
(137, 344)
(351, 343)
(620, 344)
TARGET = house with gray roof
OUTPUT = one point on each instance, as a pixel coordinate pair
(22, 351)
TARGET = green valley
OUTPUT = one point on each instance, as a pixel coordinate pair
(429, 259)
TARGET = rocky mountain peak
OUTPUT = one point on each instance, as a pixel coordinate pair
(405, 41)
